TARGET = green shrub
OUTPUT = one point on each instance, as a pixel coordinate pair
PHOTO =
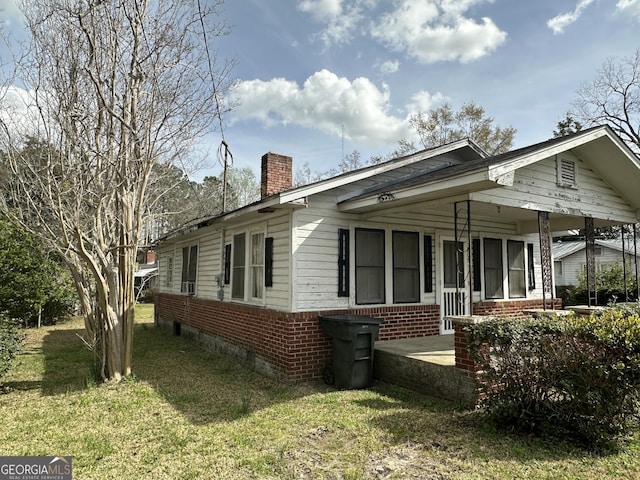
(610, 286)
(11, 338)
(576, 376)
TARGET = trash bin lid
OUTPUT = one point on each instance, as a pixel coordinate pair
(350, 318)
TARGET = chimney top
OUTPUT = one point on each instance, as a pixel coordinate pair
(276, 174)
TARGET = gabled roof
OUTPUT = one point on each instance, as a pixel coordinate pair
(564, 249)
(622, 169)
(461, 151)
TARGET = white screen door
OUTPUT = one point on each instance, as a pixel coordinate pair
(454, 300)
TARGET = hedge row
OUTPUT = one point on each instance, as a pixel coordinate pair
(577, 377)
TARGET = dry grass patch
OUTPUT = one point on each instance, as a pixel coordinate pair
(189, 414)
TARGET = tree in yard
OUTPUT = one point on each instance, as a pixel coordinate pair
(443, 125)
(567, 126)
(30, 281)
(613, 97)
(117, 88)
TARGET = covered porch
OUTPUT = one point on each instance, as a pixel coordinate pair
(491, 220)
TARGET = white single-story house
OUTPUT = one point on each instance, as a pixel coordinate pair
(413, 241)
(569, 258)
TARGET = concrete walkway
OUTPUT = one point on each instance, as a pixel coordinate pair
(437, 349)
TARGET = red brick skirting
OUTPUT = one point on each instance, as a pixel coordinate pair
(292, 344)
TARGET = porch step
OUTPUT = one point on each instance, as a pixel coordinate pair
(428, 374)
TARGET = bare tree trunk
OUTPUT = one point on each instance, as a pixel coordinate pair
(118, 87)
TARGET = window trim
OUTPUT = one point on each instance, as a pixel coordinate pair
(485, 244)
(383, 268)
(189, 273)
(238, 282)
(511, 270)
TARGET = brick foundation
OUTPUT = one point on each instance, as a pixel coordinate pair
(288, 346)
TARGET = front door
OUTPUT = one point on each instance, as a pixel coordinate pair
(454, 292)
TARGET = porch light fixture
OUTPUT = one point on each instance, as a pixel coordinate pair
(386, 197)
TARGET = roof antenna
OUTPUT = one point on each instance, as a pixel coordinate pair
(343, 142)
(225, 164)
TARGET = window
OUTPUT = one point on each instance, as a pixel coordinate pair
(406, 267)
(257, 265)
(493, 287)
(566, 172)
(515, 260)
(239, 262)
(168, 281)
(189, 268)
(369, 266)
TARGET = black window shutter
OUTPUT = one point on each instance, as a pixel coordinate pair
(343, 262)
(227, 264)
(475, 245)
(531, 265)
(428, 263)
(268, 262)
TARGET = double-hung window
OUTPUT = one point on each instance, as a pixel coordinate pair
(406, 267)
(515, 260)
(257, 265)
(239, 263)
(369, 266)
(493, 276)
(189, 269)
(248, 265)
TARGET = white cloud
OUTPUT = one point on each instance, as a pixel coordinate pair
(18, 112)
(424, 101)
(321, 10)
(325, 102)
(390, 66)
(629, 7)
(437, 30)
(560, 22)
(9, 11)
(341, 19)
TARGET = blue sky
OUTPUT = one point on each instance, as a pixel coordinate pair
(321, 77)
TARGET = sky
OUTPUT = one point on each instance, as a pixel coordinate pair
(319, 79)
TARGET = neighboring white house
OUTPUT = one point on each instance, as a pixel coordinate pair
(569, 258)
(446, 231)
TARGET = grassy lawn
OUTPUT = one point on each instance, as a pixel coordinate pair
(191, 414)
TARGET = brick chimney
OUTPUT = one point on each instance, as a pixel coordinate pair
(276, 174)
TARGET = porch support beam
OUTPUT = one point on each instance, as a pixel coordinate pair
(462, 228)
(544, 232)
(590, 243)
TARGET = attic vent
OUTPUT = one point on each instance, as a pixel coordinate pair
(566, 172)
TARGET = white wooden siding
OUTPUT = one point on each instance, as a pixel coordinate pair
(315, 254)
(315, 249)
(535, 187)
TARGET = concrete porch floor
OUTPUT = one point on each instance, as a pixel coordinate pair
(437, 349)
(426, 365)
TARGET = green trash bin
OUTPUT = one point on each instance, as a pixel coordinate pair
(353, 338)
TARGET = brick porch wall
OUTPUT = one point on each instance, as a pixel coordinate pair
(292, 344)
(511, 308)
